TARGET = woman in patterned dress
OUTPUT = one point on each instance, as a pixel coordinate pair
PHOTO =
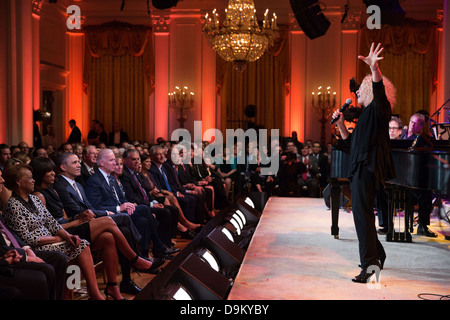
(26, 215)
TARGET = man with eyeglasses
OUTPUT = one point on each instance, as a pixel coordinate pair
(395, 128)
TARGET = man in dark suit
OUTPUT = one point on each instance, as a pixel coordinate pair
(76, 202)
(103, 192)
(88, 164)
(319, 162)
(135, 193)
(164, 181)
(75, 134)
(34, 274)
(117, 136)
(371, 158)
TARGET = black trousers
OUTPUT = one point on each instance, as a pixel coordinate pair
(363, 191)
(37, 281)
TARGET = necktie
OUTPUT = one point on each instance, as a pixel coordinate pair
(144, 194)
(77, 190)
(113, 190)
(165, 179)
(9, 235)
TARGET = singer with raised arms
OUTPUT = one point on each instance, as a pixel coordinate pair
(371, 158)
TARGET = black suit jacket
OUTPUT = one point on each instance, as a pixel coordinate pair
(123, 138)
(73, 204)
(99, 193)
(75, 135)
(370, 142)
(131, 188)
(5, 248)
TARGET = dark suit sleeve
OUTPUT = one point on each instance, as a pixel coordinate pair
(96, 195)
(128, 188)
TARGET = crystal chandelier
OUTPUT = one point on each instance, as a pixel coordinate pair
(240, 39)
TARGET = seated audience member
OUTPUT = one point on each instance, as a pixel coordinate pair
(103, 192)
(40, 152)
(290, 171)
(184, 226)
(167, 216)
(259, 182)
(27, 216)
(35, 275)
(103, 233)
(88, 164)
(66, 147)
(164, 181)
(205, 173)
(308, 180)
(395, 128)
(187, 179)
(23, 146)
(227, 170)
(5, 155)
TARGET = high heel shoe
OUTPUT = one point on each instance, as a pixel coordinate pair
(111, 284)
(156, 263)
(364, 275)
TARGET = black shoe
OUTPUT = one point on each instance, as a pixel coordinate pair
(383, 230)
(424, 231)
(188, 234)
(164, 253)
(364, 275)
(129, 287)
(156, 263)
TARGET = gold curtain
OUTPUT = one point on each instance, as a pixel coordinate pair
(410, 62)
(263, 83)
(118, 76)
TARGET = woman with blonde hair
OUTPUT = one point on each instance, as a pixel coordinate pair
(371, 160)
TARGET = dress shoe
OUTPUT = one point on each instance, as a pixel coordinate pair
(365, 275)
(164, 253)
(383, 230)
(156, 263)
(129, 287)
(188, 234)
(424, 231)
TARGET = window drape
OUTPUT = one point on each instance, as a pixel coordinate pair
(118, 76)
(263, 83)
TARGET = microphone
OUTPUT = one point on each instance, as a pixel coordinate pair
(348, 102)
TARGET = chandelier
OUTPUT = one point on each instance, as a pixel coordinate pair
(240, 38)
(182, 101)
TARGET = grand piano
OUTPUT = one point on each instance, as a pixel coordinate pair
(418, 164)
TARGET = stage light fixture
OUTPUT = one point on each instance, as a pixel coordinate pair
(175, 291)
(236, 225)
(200, 280)
(228, 234)
(209, 258)
(239, 220)
(249, 202)
(242, 216)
